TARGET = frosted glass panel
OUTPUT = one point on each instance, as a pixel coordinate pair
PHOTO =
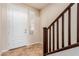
(74, 24)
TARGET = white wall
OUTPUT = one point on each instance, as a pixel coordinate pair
(50, 13)
(3, 29)
(4, 41)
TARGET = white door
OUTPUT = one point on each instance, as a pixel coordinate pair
(17, 26)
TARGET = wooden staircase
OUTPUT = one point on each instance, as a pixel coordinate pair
(49, 43)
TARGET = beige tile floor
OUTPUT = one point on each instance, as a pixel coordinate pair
(31, 50)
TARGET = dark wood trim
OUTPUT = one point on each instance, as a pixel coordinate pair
(50, 39)
(62, 30)
(69, 26)
(45, 41)
(61, 14)
(53, 37)
(78, 22)
(65, 48)
(57, 34)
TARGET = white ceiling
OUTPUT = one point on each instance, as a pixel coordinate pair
(38, 5)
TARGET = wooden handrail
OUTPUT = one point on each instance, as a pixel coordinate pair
(61, 14)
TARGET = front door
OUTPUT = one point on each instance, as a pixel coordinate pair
(18, 18)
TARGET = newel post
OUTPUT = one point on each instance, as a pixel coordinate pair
(77, 22)
(45, 41)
